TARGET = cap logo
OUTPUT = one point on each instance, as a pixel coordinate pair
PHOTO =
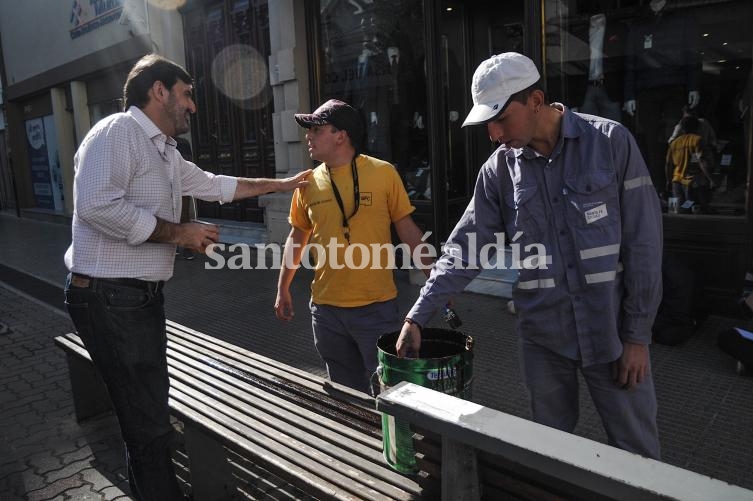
(495, 106)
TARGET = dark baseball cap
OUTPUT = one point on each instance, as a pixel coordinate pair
(336, 113)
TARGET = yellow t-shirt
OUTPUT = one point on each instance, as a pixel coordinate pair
(365, 277)
(684, 153)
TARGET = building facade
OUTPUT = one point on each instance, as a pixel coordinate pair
(406, 65)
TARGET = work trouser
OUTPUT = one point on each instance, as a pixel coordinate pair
(628, 415)
(346, 339)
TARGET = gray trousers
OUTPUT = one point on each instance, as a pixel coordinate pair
(346, 339)
(628, 416)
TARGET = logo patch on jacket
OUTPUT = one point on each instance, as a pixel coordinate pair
(598, 212)
(366, 198)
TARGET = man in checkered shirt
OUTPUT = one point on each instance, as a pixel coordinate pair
(126, 224)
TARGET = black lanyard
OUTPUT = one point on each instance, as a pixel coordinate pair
(356, 196)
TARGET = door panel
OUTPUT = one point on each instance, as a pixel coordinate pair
(227, 46)
(469, 33)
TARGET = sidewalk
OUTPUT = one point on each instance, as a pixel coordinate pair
(705, 409)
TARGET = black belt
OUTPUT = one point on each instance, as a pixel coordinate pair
(85, 281)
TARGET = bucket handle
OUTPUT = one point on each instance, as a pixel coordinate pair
(375, 381)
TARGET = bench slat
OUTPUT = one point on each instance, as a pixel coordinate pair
(367, 420)
(285, 371)
(293, 473)
(274, 416)
(325, 466)
(272, 400)
(329, 455)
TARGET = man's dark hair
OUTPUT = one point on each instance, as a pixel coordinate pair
(147, 70)
(689, 124)
(522, 97)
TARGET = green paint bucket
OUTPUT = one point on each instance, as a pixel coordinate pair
(444, 364)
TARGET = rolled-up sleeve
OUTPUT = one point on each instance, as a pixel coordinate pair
(207, 186)
(641, 249)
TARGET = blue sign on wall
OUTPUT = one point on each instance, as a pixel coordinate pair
(88, 15)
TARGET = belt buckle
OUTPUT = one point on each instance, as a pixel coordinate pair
(79, 281)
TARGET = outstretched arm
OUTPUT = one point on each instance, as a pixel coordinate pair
(252, 187)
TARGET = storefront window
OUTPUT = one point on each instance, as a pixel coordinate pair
(98, 111)
(374, 60)
(677, 74)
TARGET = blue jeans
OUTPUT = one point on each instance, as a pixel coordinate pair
(123, 329)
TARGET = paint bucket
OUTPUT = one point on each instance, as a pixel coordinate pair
(445, 364)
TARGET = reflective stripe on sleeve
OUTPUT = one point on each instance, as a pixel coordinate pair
(637, 182)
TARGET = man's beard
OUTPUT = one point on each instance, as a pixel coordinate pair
(179, 117)
(181, 127)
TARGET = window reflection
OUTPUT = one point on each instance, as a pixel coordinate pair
(649, 65)
(374, 60)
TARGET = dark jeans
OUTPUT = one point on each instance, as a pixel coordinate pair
(123, 328)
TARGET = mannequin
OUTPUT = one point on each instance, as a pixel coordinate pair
(400, 87)
(662, 73)
(657, 6)
(603, 89)
(367, 91)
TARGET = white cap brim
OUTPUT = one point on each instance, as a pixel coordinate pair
(482, 113)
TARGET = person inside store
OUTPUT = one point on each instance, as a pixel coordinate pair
(688, 166)
(705, 130)
(127, 202)
(662, 73)
(575, 191)
(347, 210)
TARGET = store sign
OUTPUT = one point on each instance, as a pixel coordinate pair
(88, 15)
(44, 161)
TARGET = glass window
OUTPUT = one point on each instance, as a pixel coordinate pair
(374, 60)
(677, 74)
(98, 111)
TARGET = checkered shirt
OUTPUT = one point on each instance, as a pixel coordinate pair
(128, 172)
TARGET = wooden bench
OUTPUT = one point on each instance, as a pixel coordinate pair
(474, 452)
(248, 418)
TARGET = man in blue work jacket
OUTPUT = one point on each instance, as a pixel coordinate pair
(577, 187)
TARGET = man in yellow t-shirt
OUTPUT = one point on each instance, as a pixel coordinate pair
(688, 165)
(345, 215)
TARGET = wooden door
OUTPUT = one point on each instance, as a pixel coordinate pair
(227, 49)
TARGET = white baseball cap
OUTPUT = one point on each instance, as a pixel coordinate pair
(495, 80)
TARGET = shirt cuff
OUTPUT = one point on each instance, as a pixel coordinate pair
(228, 184)
(143, 229)
(421, 312)
(636, 329)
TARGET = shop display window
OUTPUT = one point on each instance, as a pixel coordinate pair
(661, 67)
(373, 59)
